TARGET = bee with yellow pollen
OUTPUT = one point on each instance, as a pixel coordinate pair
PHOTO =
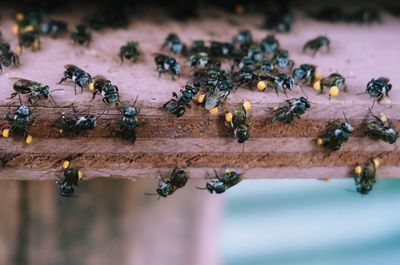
(239, 122)
(365, 177)
(72, 178)
(334, 82)
(19, 125)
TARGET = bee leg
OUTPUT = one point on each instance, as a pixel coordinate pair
(20, 101)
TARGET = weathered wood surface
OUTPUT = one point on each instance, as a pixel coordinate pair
(196, 140)
(110, 222)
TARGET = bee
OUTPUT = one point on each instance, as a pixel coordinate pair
(199, 46)
(78, 76)
(382, 128)
(129, 123)
(335, 82)
(365, 177)
(239, 122)
(177, 104)
(106, 88)
(19, 125)
(54, 28)
(7, 57)
(81, 35)
(36, 91)
(266, 65)
(378, 88)
(130, 51)
(279, 81)
(306, 74)
(316, 44)
(282, 61)
(168, 186)
(269, 45)
(73, 123)
(293, 109)
(213, 97)
(174, 44)
(219, 184)
(279, 18)
(335, 137)
(28, 38)
(201, 59)
(243, 38)
(254, 53)
(72, 178)
(28, 19)
(223, 49)
(165, 63)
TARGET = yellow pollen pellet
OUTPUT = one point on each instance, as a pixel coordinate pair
(66, 164)
(317, 75)
(91, 87)
(261, 85)
(320, 141)
(376, 162)
(358, 170)
(228, 117)
(29, 139)
(80, 175)
(200, 98)
(15, 29)
(317, 86)
(214, 111)
(247, 105)
(6, 133)
(334, 91)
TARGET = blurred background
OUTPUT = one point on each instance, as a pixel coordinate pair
(257, 222)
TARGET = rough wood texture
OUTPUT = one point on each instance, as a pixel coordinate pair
(198, 141)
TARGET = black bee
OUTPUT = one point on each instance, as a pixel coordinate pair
(223, 49)
(199, 46)
(282, 61)
(81, 35)
(335, 137)
(130, 51)
(19, 125)
(177, 104)
(365, 16)
(175, 44)
(365, 177)
(382, 128)
(78, 76)
(379, 88)
(279, 81)
(269, 44)
(243, 38)
(239, 122)
(279, 18)
(73, 123)
(255, 53)
(221, 184)
(36, 91)
(335, 82)
(54, 28)
(167, 186)
(305, 73)
(7, 57)
(28, 39)
(201, 59)
(107, 89)
(72, 178)
(266, 65)
(293, 109)
(129, 123)
(165, 63)
(316, 44)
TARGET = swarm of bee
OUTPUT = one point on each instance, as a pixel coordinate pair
(264, 65)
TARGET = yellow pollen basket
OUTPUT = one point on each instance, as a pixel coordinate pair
(91, 86)
(200, 98)
(214, 111)
(19, 16)
(334, 91)
(317, 75)
(247, 105)
(320, 141)
(227, 171)
(29, 139)
(80, 175)
(36, 45)
(376, 163)
(6, 133)
(358, 170)
(15, 29)
(261, 85)
(228, 117)
(66, 164)
(317, 86)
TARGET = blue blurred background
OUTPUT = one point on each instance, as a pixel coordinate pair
(311, 222)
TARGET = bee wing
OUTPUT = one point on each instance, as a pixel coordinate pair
(22, 83)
